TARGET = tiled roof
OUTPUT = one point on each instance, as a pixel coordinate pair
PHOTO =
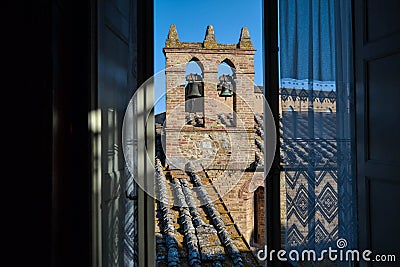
(297, 145)
(192, 230)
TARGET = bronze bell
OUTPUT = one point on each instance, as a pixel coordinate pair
(225, 91)
(193, 90)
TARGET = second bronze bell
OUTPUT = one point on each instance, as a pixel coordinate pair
(225, 91)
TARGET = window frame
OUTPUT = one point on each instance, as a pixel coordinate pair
(271, 94)
(145, 28)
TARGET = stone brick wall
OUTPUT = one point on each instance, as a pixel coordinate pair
(258, 103)
(299, 104)
(231, 185)
(296, 104)
(214, 147)
(302, 106)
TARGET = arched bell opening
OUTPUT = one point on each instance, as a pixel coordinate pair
(194, 93)
(259, 222)
(226, 88)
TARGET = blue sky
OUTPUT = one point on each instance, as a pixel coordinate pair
(191, 19)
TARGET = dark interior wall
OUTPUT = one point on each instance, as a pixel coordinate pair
(46, 50)
(26, 133)
(71, 65)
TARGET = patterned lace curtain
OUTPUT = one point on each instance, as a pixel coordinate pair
(315, 125)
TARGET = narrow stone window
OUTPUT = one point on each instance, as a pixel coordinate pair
(194, 94)
(226, 88)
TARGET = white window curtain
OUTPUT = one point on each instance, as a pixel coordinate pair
(316, 134)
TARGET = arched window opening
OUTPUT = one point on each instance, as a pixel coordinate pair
(259, 216)
(226, 88)
(194, 93)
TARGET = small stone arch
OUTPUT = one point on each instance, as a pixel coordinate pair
(230, 63)
(198, 62)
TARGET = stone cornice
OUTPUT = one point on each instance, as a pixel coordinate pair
(209, 42)
(201, 50)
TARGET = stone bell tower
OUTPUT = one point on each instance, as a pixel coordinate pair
(218, 135)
